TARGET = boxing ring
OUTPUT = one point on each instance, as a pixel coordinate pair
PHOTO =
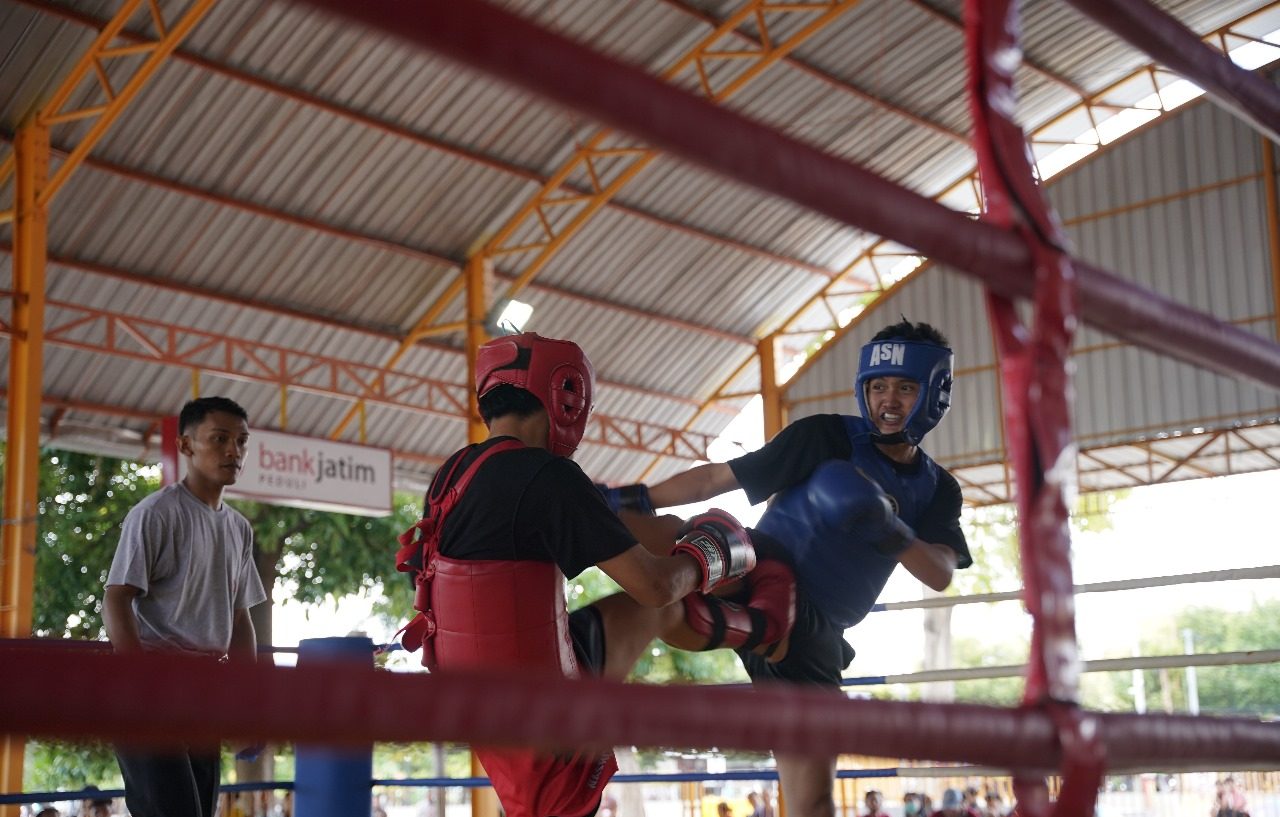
(1016, 250)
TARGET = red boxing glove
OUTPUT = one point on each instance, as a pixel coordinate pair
(720, 544)
(766, 618)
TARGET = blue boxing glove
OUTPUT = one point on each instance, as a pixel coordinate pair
(845, 499)
(627, 498)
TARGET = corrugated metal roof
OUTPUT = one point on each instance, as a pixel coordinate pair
(297, 182)
(1192, 229)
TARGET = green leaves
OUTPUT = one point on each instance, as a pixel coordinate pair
(83, 500)
(319, 555)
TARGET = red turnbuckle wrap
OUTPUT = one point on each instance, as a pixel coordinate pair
(1037, 393)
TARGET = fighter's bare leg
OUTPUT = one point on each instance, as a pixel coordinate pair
(807, 783)
(629, 628)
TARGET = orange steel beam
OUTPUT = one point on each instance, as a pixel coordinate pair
(108, 103)
(862, 278)
(1111, 212)
(720, 394)
(477, 333)
(26, 373)
(67, 404)
(835, 82)
(400, 132)
(1027, 62)
(1273, 228)
(1140, 435)
(775, 414)
(857, 271)
(426, 256)
(1103, 465)
(1096, 454)
(103, 332)
(607, 163)
(484, 800)
(965, 371)
(277, 310)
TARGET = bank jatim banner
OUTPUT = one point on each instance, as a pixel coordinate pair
(305, 472)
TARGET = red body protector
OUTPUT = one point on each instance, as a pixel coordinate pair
(491, 614)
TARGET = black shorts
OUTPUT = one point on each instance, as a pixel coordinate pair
(817, 653)
(586, 630)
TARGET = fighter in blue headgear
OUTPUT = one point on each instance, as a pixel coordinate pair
(850, 499)
(926, 361)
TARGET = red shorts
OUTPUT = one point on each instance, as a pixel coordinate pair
(536, 784)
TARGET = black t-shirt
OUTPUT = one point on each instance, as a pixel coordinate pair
(530, 505)
(790, 457)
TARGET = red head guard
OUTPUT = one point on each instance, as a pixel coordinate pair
(554, 371)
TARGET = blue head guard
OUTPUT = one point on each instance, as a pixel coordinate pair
(926, 363)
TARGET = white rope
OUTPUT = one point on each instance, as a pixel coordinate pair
(1235, 574)
(1102, 665)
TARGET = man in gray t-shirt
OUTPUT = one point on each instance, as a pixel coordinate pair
(183, 580)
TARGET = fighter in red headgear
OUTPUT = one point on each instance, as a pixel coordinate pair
(554, 371)
(506, 520)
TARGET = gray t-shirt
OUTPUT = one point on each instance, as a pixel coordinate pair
(194, 566)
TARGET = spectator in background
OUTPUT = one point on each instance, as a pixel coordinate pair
(994, 805)
(1230, 801)
(766, 800)
(953, 805)
(875, 804)
(95, 806)
(48, 811)
(182, 581)
(723, 810)
(911, 805)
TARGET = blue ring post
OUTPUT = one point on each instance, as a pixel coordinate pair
(334, 782)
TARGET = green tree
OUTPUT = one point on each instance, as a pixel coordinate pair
(83, 500)
(978, 652)
(315, 556)
(1247, 689)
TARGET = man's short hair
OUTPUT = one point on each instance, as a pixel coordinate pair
(906, 330)
(194, 412)
(507, 399)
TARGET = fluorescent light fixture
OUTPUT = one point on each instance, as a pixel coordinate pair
(512, 317)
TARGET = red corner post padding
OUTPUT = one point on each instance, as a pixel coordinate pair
(1037, 407)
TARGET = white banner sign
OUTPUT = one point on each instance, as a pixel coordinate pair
(307, 472)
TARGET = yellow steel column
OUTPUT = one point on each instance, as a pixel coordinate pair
(477, 310)
(484, 801)
(774, 412)
(1273, 227)
(22, 457)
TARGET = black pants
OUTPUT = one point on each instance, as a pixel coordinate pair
(181, 784)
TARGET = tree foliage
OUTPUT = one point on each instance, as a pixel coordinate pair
(83, 501)
(318, 555)
(1244, 690)
(993, 541)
